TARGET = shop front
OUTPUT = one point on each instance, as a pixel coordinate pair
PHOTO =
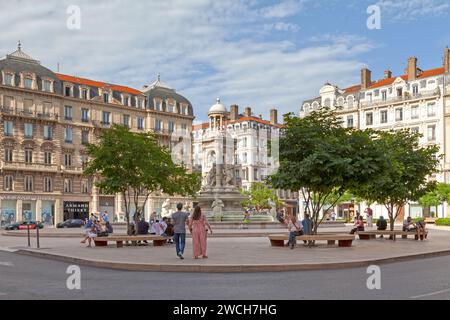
(15, 208)
(75, 210)
(8, 212)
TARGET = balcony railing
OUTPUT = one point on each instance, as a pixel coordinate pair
(28, 114)
(407, 97)
(17, 165)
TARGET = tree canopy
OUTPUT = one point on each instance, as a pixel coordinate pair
(135, 165)
(258, 196)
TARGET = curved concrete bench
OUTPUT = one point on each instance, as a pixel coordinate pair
(157, 240)
(367, 235)
(344, 240)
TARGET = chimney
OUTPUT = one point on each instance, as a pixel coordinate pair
(365, 78)
(412, 68)
(274, 116)
(447, 59)
(387, 74)
(248, 111)
(234, 112)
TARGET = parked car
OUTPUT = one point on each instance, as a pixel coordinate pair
(23, 225)
(71, 223)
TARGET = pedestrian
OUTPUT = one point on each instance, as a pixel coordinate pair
(198, 225)
(307, 226)
(369, 215)
(246, 219)
(105, 216)
(333, 216)
(295, 229)
(359, 225)
(180, 220)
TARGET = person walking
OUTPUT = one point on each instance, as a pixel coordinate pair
(369, 215)
(180, 220)
(197, 227)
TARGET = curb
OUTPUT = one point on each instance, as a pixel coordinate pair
(220, 268)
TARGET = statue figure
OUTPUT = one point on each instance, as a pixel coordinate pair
(211, 176)
(166, 211)
(228, 176)
(187, 206)
(217, 206)
(273, 207)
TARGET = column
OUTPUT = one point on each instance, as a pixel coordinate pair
(58, 211)
(147, 209)
(18, 210)
(118, 206)
(38, 210)
(94, 207)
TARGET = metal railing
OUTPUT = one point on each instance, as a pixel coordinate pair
(407, 97)
(28, 113)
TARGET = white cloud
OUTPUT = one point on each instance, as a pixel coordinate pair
(203, 48)
(408, 10)
(282, 26)
(283, 9)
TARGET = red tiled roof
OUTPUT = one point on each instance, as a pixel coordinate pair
(388, 81)
(98, 84)
(200, 126)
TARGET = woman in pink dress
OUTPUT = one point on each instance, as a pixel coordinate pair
(197, 227)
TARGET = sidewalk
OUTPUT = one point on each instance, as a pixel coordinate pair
(235, 254)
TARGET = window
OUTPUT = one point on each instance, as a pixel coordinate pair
(184, 109)
(48, 185)
(8, 155)
(106, 97)
(140, 123)
(414, 112)
(46, 108)
(415, 129)
(399, 92)
(184, 127)
(28, 183)
(423, 84)
(171, 107)
(350, 122)
(85, 94)
(28, 83)
(28, 130)
(8, 128)
(415, 90)
(48, 133)
(67, 159)
(139, 103)
(327, 102)
(369, 96)
(432, 133)
(47, 86)
(369, 118)
(126, 101)
(158, 125)
(431, 109)
(244, 158)
(383, 115)
(67, 112)
(399, 114)
(68, 185)
(84, 137)
(84, 187)
(340, 102)
(8, 80)
(28, 155)
(171, 126)
(85, 115)
(67, 91)
(126, 120)
(350, 102)
(105, 117)
(68, 135)
(8, 183)
(84, 160)
(255, 174)
(47, 157)
(376, 93)
(384, 95)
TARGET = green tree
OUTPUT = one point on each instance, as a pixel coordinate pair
(323, 160)
(436, 196)
(135, 165)
(258, 196)
(404, 175)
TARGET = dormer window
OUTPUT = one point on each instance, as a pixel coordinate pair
(47, 85)
(105, 97)
(139, 103)
(171, 107)
(68, 90)
(183, 109)
(28, 83)
(125, 100)
(8, 79)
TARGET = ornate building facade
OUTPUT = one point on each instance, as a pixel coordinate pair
(417, 100)
(46, 120)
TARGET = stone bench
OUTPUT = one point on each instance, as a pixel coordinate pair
(157, 240)
(367, 235)
(344, 240)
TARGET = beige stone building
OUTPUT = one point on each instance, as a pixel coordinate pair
(46, 119)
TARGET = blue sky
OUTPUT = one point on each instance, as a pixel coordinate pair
(261, 54)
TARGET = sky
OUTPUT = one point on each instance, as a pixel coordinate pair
(262, 54)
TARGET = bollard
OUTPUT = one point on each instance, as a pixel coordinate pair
(37, 234)
(28, 231)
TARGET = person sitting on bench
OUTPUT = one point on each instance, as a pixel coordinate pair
(409, 225)
(381, 224)
(295, 229)
(421, 230)
(359, 225)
